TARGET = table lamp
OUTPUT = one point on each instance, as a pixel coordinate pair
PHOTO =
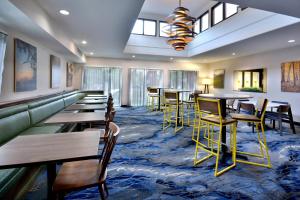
(206, 82)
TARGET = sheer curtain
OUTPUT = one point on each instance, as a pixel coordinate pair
(139, 80)
(185, 80)
(108, 79)
(2, 54)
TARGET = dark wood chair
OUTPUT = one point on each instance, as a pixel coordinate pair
(104, 132)
(230, 105)
(79, 175)
(283, 113)
(258, 120)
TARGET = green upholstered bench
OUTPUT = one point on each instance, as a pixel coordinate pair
(27, 119)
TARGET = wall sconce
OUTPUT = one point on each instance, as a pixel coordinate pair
(206, 82)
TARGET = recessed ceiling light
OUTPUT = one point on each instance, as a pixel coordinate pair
(92, 53)
(171, 58)
(233, 53)
(291, 41)
(64, 12)
(133, 56)
(83, 42)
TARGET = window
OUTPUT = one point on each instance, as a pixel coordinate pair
(204, 21)
(185, 80)
(108, 79)
(140, 79)
(138, 27)
(250, 80)
(144, 27)
(2, 54)
(197, 26)
(230, 9)
(217, 13)
(163, 27)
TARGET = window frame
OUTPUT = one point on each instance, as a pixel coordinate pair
(159, 28)
(237, 11)
(144, 19)
(207, 12)
(212, 13)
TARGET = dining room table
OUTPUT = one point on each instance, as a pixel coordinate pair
(49, 149)
(223, 97)
(72, 118)
(91, 101)
(85, 107)
(95, 97)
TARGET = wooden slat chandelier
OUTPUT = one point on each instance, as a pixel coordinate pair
(180, 29)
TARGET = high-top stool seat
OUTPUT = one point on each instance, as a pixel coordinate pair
(153, 96)
(209, 111)
(173, 110)
(258, 120)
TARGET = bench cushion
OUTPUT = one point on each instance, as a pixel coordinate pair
(42, 112)
(5, 112)
(43, 102)
(42, 130)
(11, 126)
(9, 178)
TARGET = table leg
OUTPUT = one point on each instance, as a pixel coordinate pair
(292, 125)
(178, 108)
(223, 114)
(51, 174)
(159, 93)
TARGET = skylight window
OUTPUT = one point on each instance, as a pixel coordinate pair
(230, 9)
(144, 27)
(217, 13)
(163, 27)
(149, 27)
(197, 26)
(204, 21)
(138, 27)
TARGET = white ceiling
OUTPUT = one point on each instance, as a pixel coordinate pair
(273, 40)
(104, 24)
(286, 7)
(166, 7)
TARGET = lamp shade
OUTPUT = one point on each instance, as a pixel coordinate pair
(206, 81)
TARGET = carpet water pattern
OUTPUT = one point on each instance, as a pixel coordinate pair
(148, 163)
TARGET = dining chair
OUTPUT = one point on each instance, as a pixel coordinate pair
(258, 120)
(173, 110)
(210, 113)
(153, 95)
(78, 175)
(283, 113)
(190, 107)
(104, 132)
(230, 105)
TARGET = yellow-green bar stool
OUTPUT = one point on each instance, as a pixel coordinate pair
(209, 111)
(153, 96)
(258, 120)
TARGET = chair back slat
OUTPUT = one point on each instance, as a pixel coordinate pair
(152, 90)
(283, 108)
(170, 95)
(249, 108)
(113, 133)
(209, 105)
(110, 118)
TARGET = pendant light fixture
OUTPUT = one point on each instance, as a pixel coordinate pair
(180, 28)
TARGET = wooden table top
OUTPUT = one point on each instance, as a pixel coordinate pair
(225, 96)
(45, 148)
(91, 101)
(65, 118)
(94, 98)
(86, 107)
(96, 95)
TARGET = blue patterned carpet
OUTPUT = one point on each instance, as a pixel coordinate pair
(151, 164)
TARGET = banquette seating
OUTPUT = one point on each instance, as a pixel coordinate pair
(27, 119)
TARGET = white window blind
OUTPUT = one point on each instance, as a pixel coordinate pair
(108, 79)
(2, 54)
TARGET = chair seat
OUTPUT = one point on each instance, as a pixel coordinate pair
(78, 174)
(216, 119)
(102, 131)
(245, 117)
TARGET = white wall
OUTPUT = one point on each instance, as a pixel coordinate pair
(126, 64)
(43, 69)
(272, 61)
